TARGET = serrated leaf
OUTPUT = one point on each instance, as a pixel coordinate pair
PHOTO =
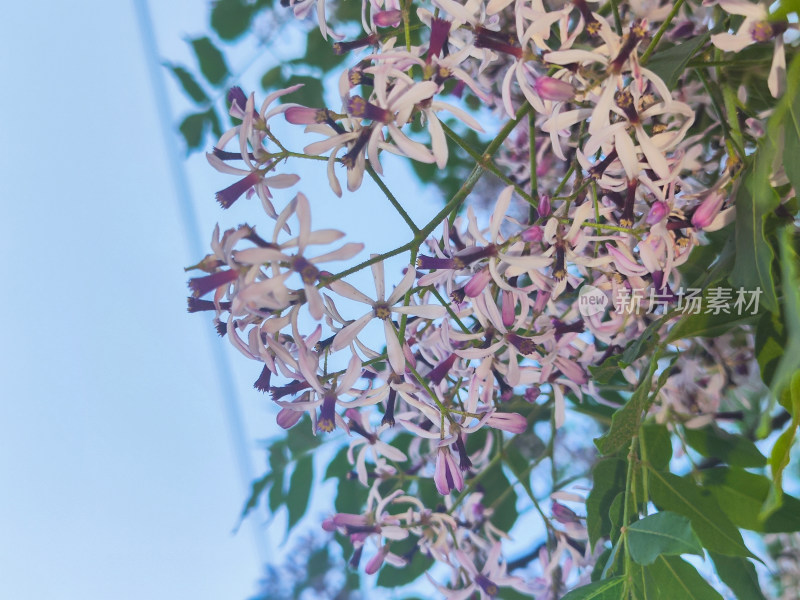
(211, 61)
(193, 129)
(608, 589)
(259, 485)
(735, 450)
(662, 533)
(739, 575)
(231, 18)
(671, 63)
(625, 422)
(603, 372)
(682, 496)
(189, 84)
(670, 578)
(300, 488)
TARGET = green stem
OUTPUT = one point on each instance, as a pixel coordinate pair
(532, 153)
(397, 206)
(661, 31)
(486, 163)
(719, 103)
(617, 20)
(627, 509)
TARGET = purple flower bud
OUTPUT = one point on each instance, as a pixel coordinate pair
(544, 205)
(550, 88)
(328, 525)
(681, 30)
(376, 561)
(301, 115)
(532, 393)
(532, 234)
(447, 475)
(478, 282)
(658, 211)
(707, 211)
(563, 514)
(510, 422)
(509, 309)
(288, 418)
(387, 18)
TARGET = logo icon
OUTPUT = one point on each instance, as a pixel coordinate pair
(591, 301)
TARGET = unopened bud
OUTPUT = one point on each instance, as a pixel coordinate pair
(553, 89)
(387, 18)
(657, 213)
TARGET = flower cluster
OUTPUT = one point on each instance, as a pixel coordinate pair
(608, 178)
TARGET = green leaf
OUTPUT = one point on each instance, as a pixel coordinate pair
(657, 445)
(230, 18)
(643, 343)
(300, 488)
(339, 466)
(272, 78)
(311, 94)
(518, 465)
(755, 199)
(276, 497)
(781, 451)
(770, 342)
(392, 577)
(193, 128)
(211, 61)
(790, 279)
(662, 533)
(787, 115)
(259, 485)
(670, 64)
(670, 578)
(710, 325)
(494, 483)
(739, 575)
(625, 422)
(616, 514)
(608, 589)
(603, 372)
(608, 479)
(710, 263)
(188, 83)
(319, 52)
(736, 450)
(741, 495)
(682, 496)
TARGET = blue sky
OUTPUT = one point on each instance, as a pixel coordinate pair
(118, 472)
